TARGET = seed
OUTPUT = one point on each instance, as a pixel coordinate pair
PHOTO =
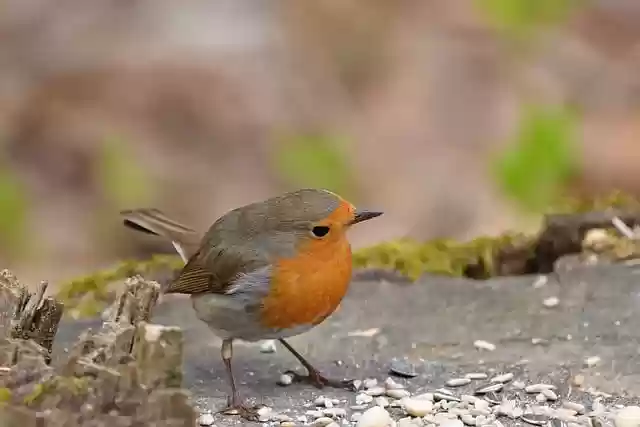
(417, 407)
(476, 376)
(403, 368)
(375, 391)
(285, 380)
(537, 388)
(489, 387)
(504, 378)
(535, 419)
(397, 393)
(484, 345)
(578, 407)
(592, 361)
(457, 382)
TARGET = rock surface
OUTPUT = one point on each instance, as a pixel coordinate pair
(432, 325)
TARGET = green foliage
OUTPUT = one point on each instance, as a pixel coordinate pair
(314, 161)
(521, 18)
(535, 169)
(122, 179)
(13, 211)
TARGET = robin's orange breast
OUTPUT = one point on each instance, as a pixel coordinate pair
(306, 289)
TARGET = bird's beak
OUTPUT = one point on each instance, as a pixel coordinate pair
(364, 215)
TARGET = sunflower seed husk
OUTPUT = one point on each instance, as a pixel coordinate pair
(489, 387)
(535, 419)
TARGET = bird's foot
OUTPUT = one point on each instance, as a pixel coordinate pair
(235, 406)
(318, 380)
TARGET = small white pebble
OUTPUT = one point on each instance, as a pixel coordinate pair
(417, 407)
(314, 413)
(551, 302)
(370, 383)
(398, 393)
(578, 407)
(206, 420)
(484, 345)
(408, 422)
(550, 394)
(335, 412)
(264, 414)
(287, 424)
(424, 396)
(363, 399)
(537, 388)
(322, 422)
(628, 417)
(375, 417)
(281, 418)
(392, 384)
(592, 361)
(381, 401)
(540, 281)
(468, 419)
(268, 346)
(481, 405)
(541, 398)
(452, 423)
(375, 391)
(285, 380)
(518, 385)
(457, 382)
(355, 417)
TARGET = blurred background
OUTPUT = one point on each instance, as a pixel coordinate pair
(455, 117)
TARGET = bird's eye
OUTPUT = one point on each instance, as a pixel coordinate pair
(320, 230)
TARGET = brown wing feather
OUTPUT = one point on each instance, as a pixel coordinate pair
(193, 279)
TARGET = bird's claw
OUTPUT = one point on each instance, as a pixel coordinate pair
(319, 381)
(249, 413)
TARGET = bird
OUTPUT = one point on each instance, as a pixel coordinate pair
(268, 270)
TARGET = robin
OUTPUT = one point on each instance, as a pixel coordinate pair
(268, 270)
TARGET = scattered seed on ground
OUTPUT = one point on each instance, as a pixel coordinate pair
(489, 387)
(484, 345)
(592, 361)
(457, 382)
(476, 376)
(502, 378)
(268, 346)
(375, 417)
(537, 388)
(403, 368)
(397, 393)
(206, 420)
(417, 407)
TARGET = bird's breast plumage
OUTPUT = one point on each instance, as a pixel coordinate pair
(307, 288)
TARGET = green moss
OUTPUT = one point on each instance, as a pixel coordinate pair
(617, 200)
(89, 294)
(441, 256)
(74, 386)
(35, 395)
(5, 394)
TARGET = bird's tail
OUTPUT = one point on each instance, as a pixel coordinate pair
(153, 221)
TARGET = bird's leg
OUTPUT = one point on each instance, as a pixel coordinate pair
(235, 404)
(313, 376)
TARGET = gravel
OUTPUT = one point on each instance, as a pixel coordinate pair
(503, 400)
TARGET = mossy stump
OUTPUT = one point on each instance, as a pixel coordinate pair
(127, 373)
